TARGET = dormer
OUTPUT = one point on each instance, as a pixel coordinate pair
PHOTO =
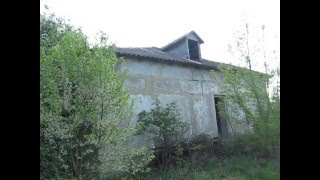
(186, 47)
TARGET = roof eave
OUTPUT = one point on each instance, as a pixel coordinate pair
(167, 61)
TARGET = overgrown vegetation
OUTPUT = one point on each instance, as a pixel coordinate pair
(85, 130)
(167, 130)
(248, 102)
(84, 109)
(242, 168)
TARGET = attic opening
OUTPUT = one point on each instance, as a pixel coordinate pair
(193, 49)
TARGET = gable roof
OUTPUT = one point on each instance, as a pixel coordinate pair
(154, 53)
(182, 38)
(160, 55)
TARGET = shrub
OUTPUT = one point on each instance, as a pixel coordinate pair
(166, 128)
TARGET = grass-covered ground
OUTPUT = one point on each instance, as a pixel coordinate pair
(237, 168)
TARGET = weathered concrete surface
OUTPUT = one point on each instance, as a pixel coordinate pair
(135, 84)
(173, 71)
(210, 88)
(165, 85)
(204, 121)
(192, 88)
(201, 74)
(140, 102)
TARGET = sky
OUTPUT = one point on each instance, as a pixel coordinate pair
(147, 23)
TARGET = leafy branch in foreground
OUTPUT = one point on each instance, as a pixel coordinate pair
(84, 107)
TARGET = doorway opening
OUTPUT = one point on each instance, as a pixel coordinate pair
(221, 122)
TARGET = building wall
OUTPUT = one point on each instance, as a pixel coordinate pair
(192, 88)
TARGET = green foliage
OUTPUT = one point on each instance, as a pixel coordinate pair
(242, 168)
(166, 128)
(84, 108)
(165, 123)
(247, 101)
(199, 143)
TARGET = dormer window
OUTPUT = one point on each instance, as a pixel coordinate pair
(193, 49)
(186, 47)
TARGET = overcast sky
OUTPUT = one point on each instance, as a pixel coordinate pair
(145, 23)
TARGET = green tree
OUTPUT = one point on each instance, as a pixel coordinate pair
(84, 108)
(166, 128)
(247, 98)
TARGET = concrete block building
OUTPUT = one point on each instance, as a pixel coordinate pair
(176, 72)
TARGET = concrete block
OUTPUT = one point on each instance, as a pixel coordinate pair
(135, 84)
(209, 88)
(205, 124)
(173, 86)
(199, 74)
(175, 71)
(192, 87)
(141, 67)
(140, 102)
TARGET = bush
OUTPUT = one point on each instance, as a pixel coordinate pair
(167, 129)
(248, 144)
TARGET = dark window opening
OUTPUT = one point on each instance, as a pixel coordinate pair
(221, 122)
(193, 49)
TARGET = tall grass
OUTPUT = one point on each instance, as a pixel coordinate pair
(237, 168)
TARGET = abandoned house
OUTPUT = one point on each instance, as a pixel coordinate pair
(176, 72)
